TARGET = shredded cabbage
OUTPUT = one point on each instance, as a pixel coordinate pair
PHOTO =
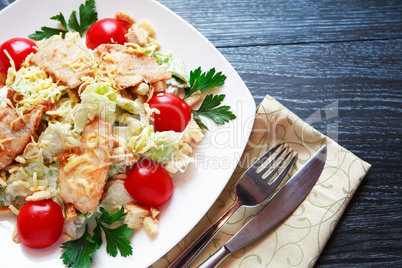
(116, 196)
(55, 139)
(103, 101)
(158, 146)
(92, 105)
(21, 181)
(114, 96)
(147, 49)
(174, 66)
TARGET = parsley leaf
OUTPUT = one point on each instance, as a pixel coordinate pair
(60, 17)
(87, 17)
(79, 252)
(117, 238)
(47, 32)
(202, 81)
(210, 108)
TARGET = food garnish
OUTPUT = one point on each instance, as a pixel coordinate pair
(116, 238)
(79, 252)
(202, 81)
(87, 17)
(210, 108)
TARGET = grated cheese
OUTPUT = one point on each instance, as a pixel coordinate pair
(13, 168)
(21, 183)
(15, 121)
(42, 88)
(41, 195)
(75, 160)
(96, 153)
(79, 64)
(90, 168)
(20, 159)
(35, 180)
(74, 183)
(14, 209)
(3, 141)
(3, 181)
(39, 188)
(22, 170)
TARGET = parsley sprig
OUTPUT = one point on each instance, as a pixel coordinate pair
(87, 17)
(202, 81)
(210, 108)
(79, 252)
(117, 238)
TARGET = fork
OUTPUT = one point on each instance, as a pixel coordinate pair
(251, 189)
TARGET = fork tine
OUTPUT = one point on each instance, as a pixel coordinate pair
(262, 159)
(277, 166)
(270, 164)
(285, 171)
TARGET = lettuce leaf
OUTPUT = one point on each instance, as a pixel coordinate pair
(158, 146)
(174, 66)
(56, 138)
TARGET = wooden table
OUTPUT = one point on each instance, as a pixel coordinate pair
(342, 60)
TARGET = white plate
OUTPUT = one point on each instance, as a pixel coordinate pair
(215, 158)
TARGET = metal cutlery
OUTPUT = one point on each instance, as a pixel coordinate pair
(251, 189)
(284, 202)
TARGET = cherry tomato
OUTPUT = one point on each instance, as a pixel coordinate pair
(149, 184)
(40, 223)
(106, 31)
(18, 49)
(174, 114)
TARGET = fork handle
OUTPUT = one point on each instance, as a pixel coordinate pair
(195, 248)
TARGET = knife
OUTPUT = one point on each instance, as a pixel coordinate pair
(276, 210)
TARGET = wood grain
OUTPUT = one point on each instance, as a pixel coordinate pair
(309, 55)
(322, 56)
(364, 82)
(262, 22)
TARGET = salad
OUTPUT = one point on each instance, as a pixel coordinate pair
(95, 128)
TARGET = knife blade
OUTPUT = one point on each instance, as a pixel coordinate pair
(282, 204)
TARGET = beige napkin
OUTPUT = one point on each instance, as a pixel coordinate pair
(299, 240)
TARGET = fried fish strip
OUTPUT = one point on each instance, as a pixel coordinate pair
(83, 172)
(66, 60)
(127, 67)
(16, 131)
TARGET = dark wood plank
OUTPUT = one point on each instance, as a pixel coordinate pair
(362, 79)
(4, 3)
(262, 22)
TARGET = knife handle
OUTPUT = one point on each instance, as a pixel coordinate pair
(215, 259)
(195, 248)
